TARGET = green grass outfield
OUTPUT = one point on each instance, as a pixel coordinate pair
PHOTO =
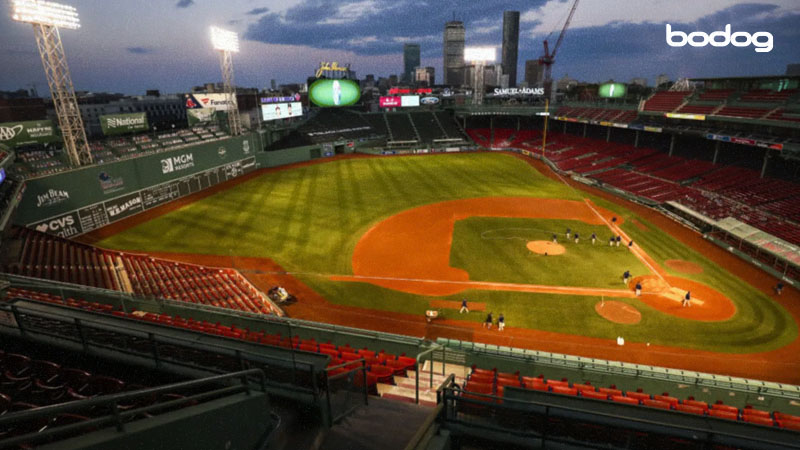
(500, 244)
(309, 220)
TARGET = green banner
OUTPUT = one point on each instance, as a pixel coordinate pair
(15, 134)
(113, 124)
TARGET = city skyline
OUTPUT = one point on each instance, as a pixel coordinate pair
(126, 48)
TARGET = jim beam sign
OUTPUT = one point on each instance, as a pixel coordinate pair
(51, 197)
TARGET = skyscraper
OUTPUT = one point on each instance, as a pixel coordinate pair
(453, 49)
(425, 76)
(410, 61)
(533, 72)
(510, 45)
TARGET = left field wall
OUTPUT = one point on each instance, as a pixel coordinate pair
(78, 201)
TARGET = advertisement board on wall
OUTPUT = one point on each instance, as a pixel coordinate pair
(328, 93)
(216, 101)
(293, 98)
(389, 102)
(113, 124)
(409, 100)
(277, 111)
(30, 132)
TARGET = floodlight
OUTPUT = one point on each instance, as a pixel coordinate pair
(224, 40)
(46, 13)
(479, 54)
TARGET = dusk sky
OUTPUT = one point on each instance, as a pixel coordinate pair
(164, 44)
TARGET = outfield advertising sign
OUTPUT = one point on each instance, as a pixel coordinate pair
(113, 124)
(277, 111)
(218, 102)
(15, 134)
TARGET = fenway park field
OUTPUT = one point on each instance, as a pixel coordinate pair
(374, 242)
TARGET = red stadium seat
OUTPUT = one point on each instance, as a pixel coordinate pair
(626, 400)
(656, 404)
(722, 414)
(690, 409)
(594, 395)
(637, 395)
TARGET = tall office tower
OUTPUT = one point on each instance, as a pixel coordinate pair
(510, 45)
(410, 62)
(533, 72)
(453, 49)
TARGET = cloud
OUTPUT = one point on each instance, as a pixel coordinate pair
(184, 3)
(550, 17)
(257, 11)
(139, 50)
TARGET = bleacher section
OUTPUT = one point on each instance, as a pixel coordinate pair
(400, 127)
(427, 126)
(665, 101)
(598, 114)
(39, 255)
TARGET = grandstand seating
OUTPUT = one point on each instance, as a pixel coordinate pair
(665, 101)
(401, 128)
(715, 94)
(491, 382)
(696, 109)
(598, 114)
(780, 114)
(45, 256)
(448, 124)
(740, 111)
(427, 126)
(767, 95)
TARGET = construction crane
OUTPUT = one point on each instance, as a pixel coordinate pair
(549, 58)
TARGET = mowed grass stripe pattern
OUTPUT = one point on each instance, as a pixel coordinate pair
(309, 220)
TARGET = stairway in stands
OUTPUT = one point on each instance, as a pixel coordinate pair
(404, 388)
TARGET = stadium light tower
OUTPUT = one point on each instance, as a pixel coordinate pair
(47, 18)
(478, 56)
(227, 42)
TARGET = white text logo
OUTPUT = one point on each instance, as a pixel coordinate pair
(761, 40)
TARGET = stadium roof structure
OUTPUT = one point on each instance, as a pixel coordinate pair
(763, 240)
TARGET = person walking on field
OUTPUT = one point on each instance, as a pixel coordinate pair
(687, 299)
(626, 276)
(576, 237)
(568, 232)
(619, 239)
(611, 241)
(594, 237)
(464, 307)
(779, 288)
(501, 322)
(638, 289)
(488, 323)
(555, 239)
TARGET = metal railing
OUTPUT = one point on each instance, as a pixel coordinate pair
(119, 417)
(339, 386)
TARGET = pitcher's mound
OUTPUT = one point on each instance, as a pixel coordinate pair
(549, 247)
(618, 312)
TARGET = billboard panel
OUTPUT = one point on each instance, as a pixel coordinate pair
(409, 100)
(686, 116)
(31, 132)
(216, 101)
(327, 93)
(612, 90)
(281, 111)
(390, 102)
(123, 123)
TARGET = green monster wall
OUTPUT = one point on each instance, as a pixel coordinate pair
(78, 201)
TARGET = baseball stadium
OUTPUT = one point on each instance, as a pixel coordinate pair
(610, 269)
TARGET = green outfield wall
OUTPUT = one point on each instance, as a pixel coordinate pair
(81, 200)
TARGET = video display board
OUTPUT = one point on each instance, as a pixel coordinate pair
(612, 90)
(328, 93)
(277, 111)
